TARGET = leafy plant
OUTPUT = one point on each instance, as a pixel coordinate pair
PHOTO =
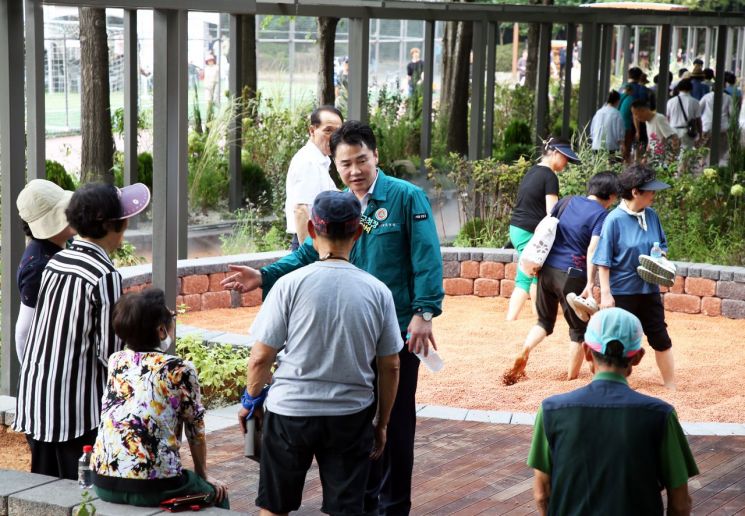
(57, 174)
(221, 369)
(251, 234)
(257, 189)
(144, 169)
(126, 256)
(86, 507)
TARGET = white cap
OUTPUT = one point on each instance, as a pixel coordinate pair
(42, 204)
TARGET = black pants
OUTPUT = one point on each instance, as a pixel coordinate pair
(389, 484)
(59, 459)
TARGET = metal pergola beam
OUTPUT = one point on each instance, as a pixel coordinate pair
(542, 79)
(604, 61)
(131, 76)
(589, 75)
(567, 111)
(476, 129)
(491, 63)
(716, 118)
(169, 145)
(12, 171)
(439, 11)
(359, 59)
(428, 56)
(235, 86)
(35, 111)
(663, 80)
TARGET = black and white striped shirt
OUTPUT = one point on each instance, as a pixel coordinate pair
(63, 374)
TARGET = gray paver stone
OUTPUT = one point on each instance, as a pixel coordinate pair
(449, 255)
(440, 412)
(234, 339)
(53, 499)
(522, 418)
(15, 481)
(212, 511)
(116, 509)
(694, 270)
(450, 269)
(9, 417)
(500, 255)
(733, 308)
(463, 256)
(731, 290)
(710, 272)
(738, 274)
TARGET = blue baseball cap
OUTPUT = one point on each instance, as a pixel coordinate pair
(614, 324)
(336, 214)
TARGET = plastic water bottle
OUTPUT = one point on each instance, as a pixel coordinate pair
(656, 251)
(433, 361)
(85, 475)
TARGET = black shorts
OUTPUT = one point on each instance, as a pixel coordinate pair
(341, 446)
(553, 286)
(648, 308)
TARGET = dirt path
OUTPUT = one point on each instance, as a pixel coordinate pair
(477, 345)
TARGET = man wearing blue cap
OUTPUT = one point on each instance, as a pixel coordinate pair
(333, 320)
(400, 247)
(605, 448)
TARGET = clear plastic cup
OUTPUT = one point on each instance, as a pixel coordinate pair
(433, 361)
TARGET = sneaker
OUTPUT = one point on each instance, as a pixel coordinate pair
(658, 266)
(583, 307)
(650, 277)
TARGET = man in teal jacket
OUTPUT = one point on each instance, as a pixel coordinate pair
(400, 247)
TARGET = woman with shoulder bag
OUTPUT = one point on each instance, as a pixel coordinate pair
(536, 196)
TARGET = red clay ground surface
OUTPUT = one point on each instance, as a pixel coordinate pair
(477, 345)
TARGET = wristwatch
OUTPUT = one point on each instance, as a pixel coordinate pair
(427, 316)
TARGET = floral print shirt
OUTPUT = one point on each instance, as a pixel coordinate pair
(148, 396)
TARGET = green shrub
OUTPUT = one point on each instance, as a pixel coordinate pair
(144, 169)
(515, 151)
(221, 369)
(126, 255)
(478, 232)
(57, 174)
(517, 131)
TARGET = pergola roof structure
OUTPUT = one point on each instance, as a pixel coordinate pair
(20, 151)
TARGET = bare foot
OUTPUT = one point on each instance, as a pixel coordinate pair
(517, 372)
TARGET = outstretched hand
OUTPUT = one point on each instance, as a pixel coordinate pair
(244, 279)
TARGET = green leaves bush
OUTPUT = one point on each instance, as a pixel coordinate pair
(57, 174)
(221, 369)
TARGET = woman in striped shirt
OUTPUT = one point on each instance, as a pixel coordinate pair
(63, 373)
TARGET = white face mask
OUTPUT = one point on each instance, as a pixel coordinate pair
(166, 343)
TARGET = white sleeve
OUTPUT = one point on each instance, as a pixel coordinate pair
(23, 326)
(695, 109)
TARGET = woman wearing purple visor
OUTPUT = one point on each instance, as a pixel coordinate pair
(536, 196)
(63, 373)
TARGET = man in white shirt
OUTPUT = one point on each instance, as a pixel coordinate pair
(607, 129)
(309, 172)
(707, 115)
(658, 128)
(681, 110)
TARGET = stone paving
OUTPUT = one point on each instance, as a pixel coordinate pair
(468, 467)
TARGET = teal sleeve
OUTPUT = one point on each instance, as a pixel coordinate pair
(426, 257)
(539, 456)
(304, 255)
(676, 460)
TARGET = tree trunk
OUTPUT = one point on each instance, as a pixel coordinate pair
(97, 155)
(448, 50)
(457, 129)
(531, 65)
(326, 42)
(249, 81)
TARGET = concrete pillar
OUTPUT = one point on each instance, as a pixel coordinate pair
(491, 62)
(723, 39)
(589, 75)
(542, 80)
(663, 82)
(567, 108)
(131, 103)
(476, 130)
(428, 56)
(235, 75)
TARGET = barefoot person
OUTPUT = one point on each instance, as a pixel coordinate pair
(630, 231)
(605, 448)
(536, 196)
(400, 247)
(569, 270)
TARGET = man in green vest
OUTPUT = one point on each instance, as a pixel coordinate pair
(605, 448)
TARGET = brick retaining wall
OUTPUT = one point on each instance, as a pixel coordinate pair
(699, 288)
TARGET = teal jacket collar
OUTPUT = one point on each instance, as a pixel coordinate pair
(380, 191)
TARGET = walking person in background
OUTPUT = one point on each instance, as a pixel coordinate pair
(707, 116)
(684, 115)
(605, 448)
(149, 397)
(607, 130)
(536, 196)
(63, 374)
(41, 206)
(400, 247)
(414, 70)
(308, 174)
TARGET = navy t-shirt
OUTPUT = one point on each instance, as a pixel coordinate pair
(580, 221)
(530, 207)
(35, 258)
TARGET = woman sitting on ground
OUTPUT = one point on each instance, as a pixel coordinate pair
(149, 396)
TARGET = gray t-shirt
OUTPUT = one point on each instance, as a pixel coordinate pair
(334, 319)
